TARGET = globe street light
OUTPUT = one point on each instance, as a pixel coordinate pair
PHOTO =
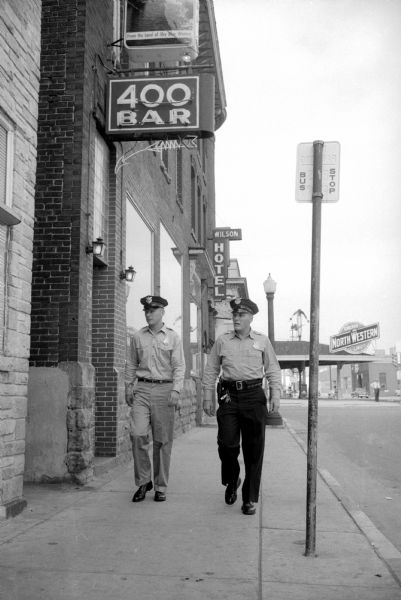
(273, 418)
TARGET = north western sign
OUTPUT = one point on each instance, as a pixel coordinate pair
(354, 337)
(153, 107)
(330, 172)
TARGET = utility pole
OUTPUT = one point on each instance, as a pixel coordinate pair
(317, 196)
(317, 182)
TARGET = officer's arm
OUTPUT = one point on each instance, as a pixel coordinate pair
(178, 365)
(178, 368)
(211, 373)
(130, 372)
(273, 375)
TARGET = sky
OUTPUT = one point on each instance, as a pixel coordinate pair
(296, 71)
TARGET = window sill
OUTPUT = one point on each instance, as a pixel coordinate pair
(8, 216)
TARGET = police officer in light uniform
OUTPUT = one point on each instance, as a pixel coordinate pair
(243, 357)
(158, 366)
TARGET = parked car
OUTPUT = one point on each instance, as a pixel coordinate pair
(359, 393)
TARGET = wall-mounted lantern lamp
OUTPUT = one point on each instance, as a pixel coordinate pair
(186, 58)
(128, 274)
(96, 248)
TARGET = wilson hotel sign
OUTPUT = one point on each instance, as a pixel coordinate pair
(156, 107)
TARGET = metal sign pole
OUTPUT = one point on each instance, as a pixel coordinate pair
(317, 196)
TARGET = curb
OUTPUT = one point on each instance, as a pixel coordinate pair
(384, 549)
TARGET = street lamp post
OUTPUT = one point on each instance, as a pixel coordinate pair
(273, 418)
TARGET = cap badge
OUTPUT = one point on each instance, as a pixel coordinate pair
(237, 301)
(149, 299)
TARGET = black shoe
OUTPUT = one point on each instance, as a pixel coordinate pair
(159, 496)
(248, 508)
(231, 491)
(141, 492)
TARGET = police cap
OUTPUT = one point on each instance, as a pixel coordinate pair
(153, 302)
(238, 304)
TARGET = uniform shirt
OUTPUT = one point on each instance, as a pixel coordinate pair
(243, 358)
(156, 356)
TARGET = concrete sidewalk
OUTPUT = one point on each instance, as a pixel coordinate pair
(93, 543)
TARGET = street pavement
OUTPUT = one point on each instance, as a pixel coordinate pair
(93, 543)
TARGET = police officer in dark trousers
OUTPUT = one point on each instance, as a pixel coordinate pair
(243, 357)
(156, 373)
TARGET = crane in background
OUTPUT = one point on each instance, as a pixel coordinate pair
(297, 323)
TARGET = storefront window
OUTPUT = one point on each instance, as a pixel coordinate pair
(194, 337)
(139, 254)
(171, 280)
(195, 319)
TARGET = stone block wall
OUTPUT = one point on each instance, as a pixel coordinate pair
(80, 420)
(19, 76)
(187, 415)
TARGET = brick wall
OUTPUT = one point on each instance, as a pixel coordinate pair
(78, 307)
(56, 319)
(19, 74)
(62, 271)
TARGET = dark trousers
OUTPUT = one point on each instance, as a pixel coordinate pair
(242, 419)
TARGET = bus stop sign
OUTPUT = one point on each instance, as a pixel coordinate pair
(330, 172)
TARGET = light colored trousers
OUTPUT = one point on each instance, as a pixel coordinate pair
(152, 418)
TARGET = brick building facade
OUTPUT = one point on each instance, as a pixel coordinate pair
(19, 75)
(155, 213)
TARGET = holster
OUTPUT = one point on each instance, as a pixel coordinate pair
(219, 389)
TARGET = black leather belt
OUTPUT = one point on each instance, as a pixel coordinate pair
(237, 386)
(155, 380)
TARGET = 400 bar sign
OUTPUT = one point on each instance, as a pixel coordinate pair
(147, 108)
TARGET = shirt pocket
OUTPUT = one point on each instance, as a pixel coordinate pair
(164, 346)
(254, 357)
(230, 358)
(143, 352)
(164, 351)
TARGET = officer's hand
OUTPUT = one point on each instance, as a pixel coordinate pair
(174, 399)
(129, 398)
(209, 408)
(274, 404)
